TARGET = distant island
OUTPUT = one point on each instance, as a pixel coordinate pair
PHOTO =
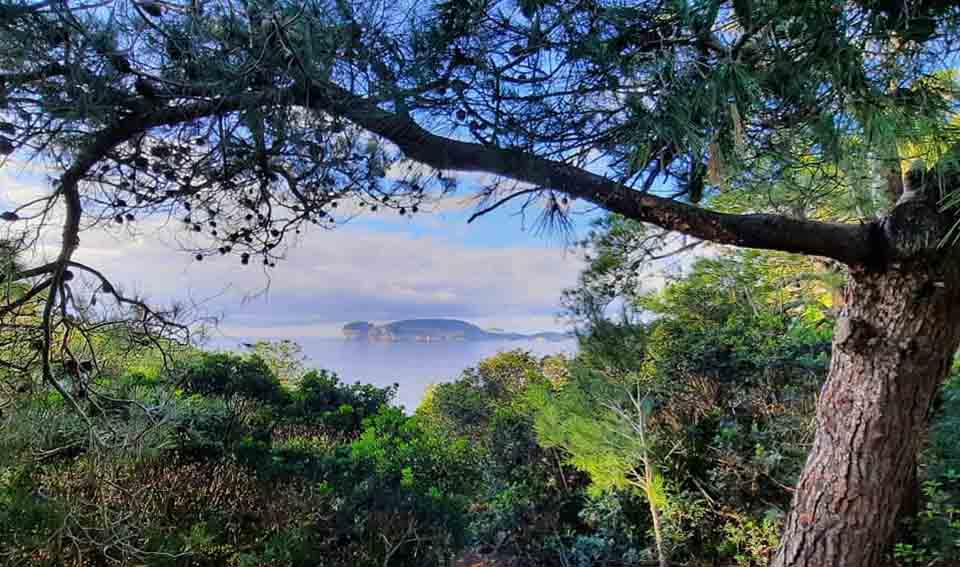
(436, 330)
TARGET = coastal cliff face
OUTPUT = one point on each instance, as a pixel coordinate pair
(432, 330)
(357, 331)
(418, 330)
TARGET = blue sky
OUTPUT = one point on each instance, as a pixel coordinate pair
(496, 271)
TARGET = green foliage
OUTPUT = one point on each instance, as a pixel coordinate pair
(217, 463)
(227, 375)
(527, 493)
(585, 419)
(734, 315)
(934, 532)
(615, 249)
(398, 449)
(27, 517)
(728, 366)
(284, 358)
(750, 541)
(701, 413)
(322, 398)
(471, 402)
(538, 458)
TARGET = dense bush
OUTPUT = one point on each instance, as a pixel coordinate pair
(321, 398)
(218, 463)
(698, 416)
(227, 375)
(933, 531)
(530, 500)
(704, 411)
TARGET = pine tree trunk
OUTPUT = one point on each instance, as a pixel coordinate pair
(893, 347)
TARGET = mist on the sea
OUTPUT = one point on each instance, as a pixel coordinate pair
(412, 365)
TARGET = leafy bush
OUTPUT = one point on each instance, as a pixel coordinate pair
(749, 541)
(227, 375)
(527, 494)
(28, 518)
(224, 465)
(321, 398)
(934, 536)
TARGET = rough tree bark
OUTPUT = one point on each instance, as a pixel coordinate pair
(893, 346)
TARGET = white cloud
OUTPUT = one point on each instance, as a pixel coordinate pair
(354, 272)
(345, 274)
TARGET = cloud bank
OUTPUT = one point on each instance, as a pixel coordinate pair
(377, 269)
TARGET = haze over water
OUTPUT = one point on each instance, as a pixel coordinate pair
(412, 365)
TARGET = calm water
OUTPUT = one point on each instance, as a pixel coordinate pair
(412, 365)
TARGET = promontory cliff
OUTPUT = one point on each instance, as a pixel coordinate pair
(434, 330)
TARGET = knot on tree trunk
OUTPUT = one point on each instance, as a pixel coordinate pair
(914, 229)
(918, 224)
(854, 334)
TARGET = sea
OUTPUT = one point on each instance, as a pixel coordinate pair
(413, 366)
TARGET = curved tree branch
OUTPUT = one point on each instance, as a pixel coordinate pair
(502, 201)
(122, 299)
(848, 243)
(27, 297)
(69, 187)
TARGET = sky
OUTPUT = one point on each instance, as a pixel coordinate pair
(494, 272)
